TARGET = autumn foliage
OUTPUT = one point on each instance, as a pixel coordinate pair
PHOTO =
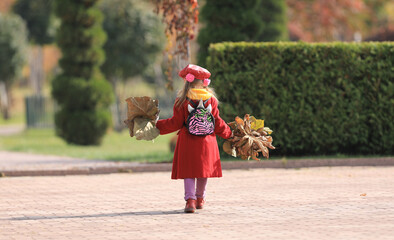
(250, 138)
(180, 18)
(5, 5)
(329, 20)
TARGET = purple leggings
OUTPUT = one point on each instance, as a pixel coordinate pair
(193, 192)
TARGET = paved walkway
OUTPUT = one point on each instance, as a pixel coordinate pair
(14, 162)
(311, 203)
(8, 130)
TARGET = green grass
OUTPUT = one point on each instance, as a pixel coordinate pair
(15, 119)
(115, 146)
(17, 110)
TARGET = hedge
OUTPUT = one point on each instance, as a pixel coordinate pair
(319, 98)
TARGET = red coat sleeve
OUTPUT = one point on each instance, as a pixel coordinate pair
(172, 124)
(221, 127)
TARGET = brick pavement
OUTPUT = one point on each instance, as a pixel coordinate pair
(310, 203)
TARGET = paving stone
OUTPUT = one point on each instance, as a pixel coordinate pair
(310, 203)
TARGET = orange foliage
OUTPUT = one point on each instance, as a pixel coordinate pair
(5, 5)
(180, 18)
(52, 55)
(329, 20)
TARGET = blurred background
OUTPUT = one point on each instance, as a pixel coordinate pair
(137, 58)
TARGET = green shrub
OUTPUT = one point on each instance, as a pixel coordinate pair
(82, 127)
(81, 91)
(13, 46)
(247, 20)
(323, 98)
(137, 37)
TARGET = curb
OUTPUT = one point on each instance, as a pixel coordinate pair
(307, 163)
(227, 165)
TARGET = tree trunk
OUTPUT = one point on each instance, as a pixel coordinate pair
(118, 123)
(36, 70)
(4, 100)
(159, 77)
(165, 96)
(182, 61)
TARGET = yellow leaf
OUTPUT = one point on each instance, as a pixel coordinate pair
(256, 123)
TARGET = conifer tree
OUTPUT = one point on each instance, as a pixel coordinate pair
(274, 21)
(247, 20)
(81, 90)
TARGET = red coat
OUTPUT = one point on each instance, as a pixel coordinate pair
(195, 156)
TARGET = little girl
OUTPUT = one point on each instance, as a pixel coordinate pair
(196, 153)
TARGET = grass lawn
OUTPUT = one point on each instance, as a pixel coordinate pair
(115, 146)
(15, 119)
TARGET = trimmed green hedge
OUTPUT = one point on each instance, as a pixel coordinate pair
(319, 98)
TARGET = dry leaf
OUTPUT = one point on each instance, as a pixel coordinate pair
(144, 129)
(233, 125)
(262, 132)
(239, 121)
(145, 107)
(234, 152)
(141, 107)
(227, 147)
(250, 138)
(268, 130)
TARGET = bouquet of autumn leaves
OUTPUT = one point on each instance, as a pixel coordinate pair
(142, 113)
(250, 137)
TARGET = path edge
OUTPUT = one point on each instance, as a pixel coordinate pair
(226, 165)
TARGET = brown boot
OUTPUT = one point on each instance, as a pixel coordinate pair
(200, 203)
(190, 206)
